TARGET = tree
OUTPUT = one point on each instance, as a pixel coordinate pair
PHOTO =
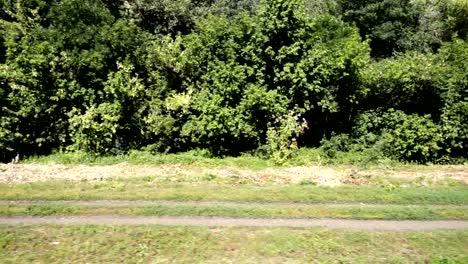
(257, 69)
(389, 24)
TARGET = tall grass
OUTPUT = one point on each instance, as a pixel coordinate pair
(301, 157)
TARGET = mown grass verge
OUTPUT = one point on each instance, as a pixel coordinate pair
(123, 189)
(390, 213)
(157, 244)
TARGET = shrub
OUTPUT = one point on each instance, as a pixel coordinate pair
(95, 130)
(111, 125)
(454, 119)
(337, 143)
(254, 68)
(455, 128)
(416, 139)
(282, 137)
(405, 137)
(412, 83)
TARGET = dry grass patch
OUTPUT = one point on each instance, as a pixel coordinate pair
(318, 175)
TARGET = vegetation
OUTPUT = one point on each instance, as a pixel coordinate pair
(298, 211)
(209, 189)
(258, 76)
(25, 244)
(231, 93)
(203, 158)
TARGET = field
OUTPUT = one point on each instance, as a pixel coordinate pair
(188, 208)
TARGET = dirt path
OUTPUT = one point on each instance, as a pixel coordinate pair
(126, 203)
(239, 222)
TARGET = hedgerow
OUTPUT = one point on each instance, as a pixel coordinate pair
(271, 76)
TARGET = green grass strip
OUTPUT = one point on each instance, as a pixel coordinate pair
(140, 190)
(301, 157)
(390, 213)
(157, 244)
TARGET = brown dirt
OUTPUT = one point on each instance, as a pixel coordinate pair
(320, 175)
(239, 222)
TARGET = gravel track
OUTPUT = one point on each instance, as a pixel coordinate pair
(239, 222)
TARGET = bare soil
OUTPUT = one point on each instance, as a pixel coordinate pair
(239, 222)
(320, 175)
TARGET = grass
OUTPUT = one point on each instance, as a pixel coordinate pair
(302, 157)
(146, 189)
(386, 213)
(142, 157)
(156, 244)
(163, 244)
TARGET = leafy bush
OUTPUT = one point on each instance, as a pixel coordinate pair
(253, 69)
(399, 26)
(412, 83)
(95, 131)
(387, 23)
(337, 143)
(282, 137)
(405, 137)
(416, 139)
(455, 127)
(455, 112)
(115, 124)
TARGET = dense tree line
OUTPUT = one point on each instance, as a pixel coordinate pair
(108, 76)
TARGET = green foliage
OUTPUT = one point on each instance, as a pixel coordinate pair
(412, 82)
(233, 8)
(116, 124)
(56, 69)
(179, 16)
(395, 26)
(254, 69)
(95, 131)
(415, 139)
(455, 14)
(336, 144)
(431, 86)
(405, 137)
(161, 16)
(232, 76)
(282, 137)
(387, 23)
(455, 121)
(455, 114)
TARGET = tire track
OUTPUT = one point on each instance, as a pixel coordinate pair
(239, 222)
